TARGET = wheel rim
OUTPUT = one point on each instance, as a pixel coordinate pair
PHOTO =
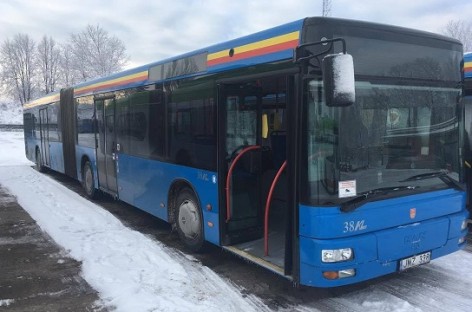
(189, 219)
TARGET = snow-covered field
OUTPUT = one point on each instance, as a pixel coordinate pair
(11, 114)
(134, 272)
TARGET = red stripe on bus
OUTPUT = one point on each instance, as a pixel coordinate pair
(256, 52)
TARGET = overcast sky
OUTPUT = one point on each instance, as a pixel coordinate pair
(157, 29)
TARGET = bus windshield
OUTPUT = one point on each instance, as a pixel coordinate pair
(405, 123)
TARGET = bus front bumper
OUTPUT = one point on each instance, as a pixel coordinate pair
(379, 253)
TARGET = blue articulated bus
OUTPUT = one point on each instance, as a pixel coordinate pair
(325, 150)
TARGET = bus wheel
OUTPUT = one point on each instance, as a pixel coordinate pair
(88, 181)
(189, 220)
(39, 163)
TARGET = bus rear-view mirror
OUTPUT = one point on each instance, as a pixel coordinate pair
(338, 79)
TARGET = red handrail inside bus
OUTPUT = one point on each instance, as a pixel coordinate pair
(267, 208)
(230, 173)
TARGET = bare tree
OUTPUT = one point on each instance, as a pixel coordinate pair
(17, 59)
(48, 62)
(68, 74)
(460, 30)
(96, 53)
(326, 8)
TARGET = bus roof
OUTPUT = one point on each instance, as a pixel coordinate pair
(468, 65)
(270, 45)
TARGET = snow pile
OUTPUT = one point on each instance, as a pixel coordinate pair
(13, 149)
(11, 114)
(131, 271)
(6, 302)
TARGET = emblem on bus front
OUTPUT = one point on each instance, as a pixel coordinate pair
(412, 213)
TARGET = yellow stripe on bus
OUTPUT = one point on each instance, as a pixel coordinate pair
(44, 100)
(113, 81)
(256, 45)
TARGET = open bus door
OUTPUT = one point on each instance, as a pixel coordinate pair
(252, 171)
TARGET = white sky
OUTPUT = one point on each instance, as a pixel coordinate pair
(157, 29)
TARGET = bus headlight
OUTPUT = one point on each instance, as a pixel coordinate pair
(336, 255)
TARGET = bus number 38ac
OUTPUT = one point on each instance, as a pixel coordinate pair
(354, 226)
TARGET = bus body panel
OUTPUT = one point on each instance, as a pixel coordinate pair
(145, 183)
(83, 152)
(56, 156)
(379, 253)
(313, 275)
(325, 223)
(30, 146)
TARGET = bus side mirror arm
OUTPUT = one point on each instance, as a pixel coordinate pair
(337, 69)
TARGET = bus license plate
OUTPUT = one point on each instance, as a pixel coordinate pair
(415, 261)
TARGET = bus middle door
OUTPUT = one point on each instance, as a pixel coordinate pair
(44, 132)
(106, 150)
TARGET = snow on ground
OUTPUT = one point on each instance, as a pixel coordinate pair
(6, 302)
(131, 271)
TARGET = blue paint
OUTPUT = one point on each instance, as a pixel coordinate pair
(324, 223)
(145, 184)
(388, 235)
(56, 156)
(30, 147)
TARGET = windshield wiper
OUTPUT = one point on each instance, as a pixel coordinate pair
(355, 202)
(442, 175)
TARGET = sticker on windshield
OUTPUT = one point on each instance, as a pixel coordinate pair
(347, 189)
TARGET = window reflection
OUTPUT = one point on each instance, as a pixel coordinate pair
(391, 133)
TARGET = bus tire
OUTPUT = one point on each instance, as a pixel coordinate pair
(39, 163)
(88, 180)
(189, 220)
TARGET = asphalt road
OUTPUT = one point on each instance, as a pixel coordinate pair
(35, 273)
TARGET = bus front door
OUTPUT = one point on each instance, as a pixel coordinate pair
(106, 151)
(253, 158)
(44, 132)
(243, 163)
